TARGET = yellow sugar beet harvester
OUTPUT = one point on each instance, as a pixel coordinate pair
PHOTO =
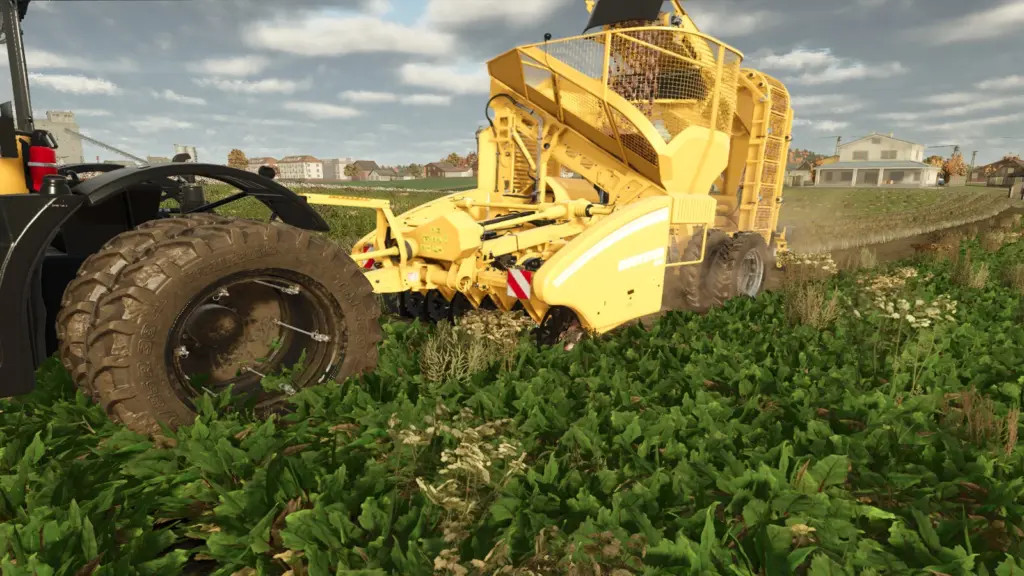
(604, 180)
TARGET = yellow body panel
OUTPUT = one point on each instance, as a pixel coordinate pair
(12, 172)
(614, 271)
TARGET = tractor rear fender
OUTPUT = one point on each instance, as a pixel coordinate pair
(614, 271)
(290, 207)
(28, 225)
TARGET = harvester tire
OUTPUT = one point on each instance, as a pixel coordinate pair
(741, 268)
(94, 279)
(414, 305)
(437, 307)
(137, 366)
(696, 278)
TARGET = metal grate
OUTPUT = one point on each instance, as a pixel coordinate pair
(671, 76)
(632, 139)
(539, 77)
(769, 173)
(772, 149)
(585, 55)
(776, 125)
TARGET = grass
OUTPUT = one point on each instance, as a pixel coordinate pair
(817, 219)
(439, 184)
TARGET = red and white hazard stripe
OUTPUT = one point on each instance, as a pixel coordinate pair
(369, 263)
(519, 283)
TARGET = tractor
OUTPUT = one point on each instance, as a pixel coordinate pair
(623, 172)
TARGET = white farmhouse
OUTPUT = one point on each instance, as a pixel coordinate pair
(879, 160)
(300, 168)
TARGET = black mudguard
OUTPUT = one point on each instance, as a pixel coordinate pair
(28, 224)
(289, 206)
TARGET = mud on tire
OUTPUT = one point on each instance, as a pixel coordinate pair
(740, 269)
(695, 279)
(95, 277)
(134, 349)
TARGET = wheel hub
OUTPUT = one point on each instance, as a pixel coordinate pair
(751, 274)
(214, 326)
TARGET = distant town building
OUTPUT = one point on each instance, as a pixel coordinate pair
(999, 173)
(363, 168)
(446, 170)
(254, 164)
(799, 173)
(158, 160)
(69, 146)
(190, 150)
(382, 175)
(878, 160)
(334, 168)
(303, 167)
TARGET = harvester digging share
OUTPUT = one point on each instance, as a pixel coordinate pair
(623, 172)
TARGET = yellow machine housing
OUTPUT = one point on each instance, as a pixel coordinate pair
(605, 155)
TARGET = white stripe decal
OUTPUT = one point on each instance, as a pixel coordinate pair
(608, 241)
(657, 256)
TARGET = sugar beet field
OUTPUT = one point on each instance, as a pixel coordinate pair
(860, 420)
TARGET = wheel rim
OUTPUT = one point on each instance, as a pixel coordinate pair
(748, 281)
(248, 326)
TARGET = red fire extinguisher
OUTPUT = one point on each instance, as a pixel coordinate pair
(42, 158)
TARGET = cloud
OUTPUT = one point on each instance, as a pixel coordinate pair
(797, 59)
(734, 22)
(237, 66)
(829, 125)
(153, 124)
(74, 84)
(835, 74)
(46, 60)
(973, 124)
(248, 120)
(91, 112)
(329, 34)
(172, 96)
(978, 103)
(1012, 82)
(977, 26)
(831, 103)
(821, 66)
(321, 110)
(950, 98)
(368, 97)
(446, 78)
(448, 14)
(427, 100)
(264, 86)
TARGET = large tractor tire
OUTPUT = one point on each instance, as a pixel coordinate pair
(95, 277)
(697, 285)
(228, 304)
(741, 268)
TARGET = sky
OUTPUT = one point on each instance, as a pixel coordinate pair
(402, 81)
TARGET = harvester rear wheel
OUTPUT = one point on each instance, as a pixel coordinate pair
(414, 305)
(226, 305)
(95, 277)
(560, 326)
(695, 278)
(438, 307)
(460, 306)
(741, 268)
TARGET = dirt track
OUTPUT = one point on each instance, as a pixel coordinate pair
(907, 247)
